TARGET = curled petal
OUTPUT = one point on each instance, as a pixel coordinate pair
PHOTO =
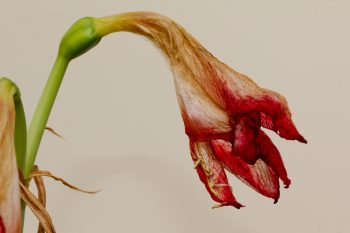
(212, 174)
(259, 176)
(276, 115)
(271, 156)
(273, 109)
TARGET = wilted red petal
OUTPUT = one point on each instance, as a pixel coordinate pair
(2, 226)
(259, 176)
(273, 109)
(245, 130)
(271, 156)
(212, 174)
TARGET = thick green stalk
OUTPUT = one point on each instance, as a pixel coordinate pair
(81, 37)
(41, 117)
(42, 112)
(77, 40)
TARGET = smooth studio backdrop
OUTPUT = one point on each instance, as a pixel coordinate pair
(118, 114)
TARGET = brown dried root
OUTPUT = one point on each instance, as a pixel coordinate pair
(38, 204)
(39, 182)
(65, 183)
(38, 207)
(51, 130)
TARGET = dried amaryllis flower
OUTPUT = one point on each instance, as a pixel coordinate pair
(223, 110)
(10, 211)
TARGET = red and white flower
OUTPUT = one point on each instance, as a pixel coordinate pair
(223, 112)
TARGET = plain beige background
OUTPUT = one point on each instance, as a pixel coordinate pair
(118, 113)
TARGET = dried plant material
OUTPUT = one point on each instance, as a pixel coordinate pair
(38, 204)
(65, 183)
(51, 130)
(223, 110)
(39, 183)
(37, 208)
(10, 214)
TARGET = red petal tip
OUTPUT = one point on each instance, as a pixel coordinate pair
(237, 205)
(287, 183)
(234, 204)
(301, 139)
(275, 202)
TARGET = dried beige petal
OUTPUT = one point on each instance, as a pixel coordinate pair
(10, 215)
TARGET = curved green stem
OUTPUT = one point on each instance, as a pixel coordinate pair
(78, 39)
(81, 37)
(42, 112)
(40, 119)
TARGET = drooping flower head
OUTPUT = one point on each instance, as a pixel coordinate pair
(223, 110)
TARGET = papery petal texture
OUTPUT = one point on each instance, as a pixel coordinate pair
(10, 215)
(259, 175)
(202, 116)
(212, 174)
(223, 112)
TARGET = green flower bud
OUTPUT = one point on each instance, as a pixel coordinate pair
(80, 38)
